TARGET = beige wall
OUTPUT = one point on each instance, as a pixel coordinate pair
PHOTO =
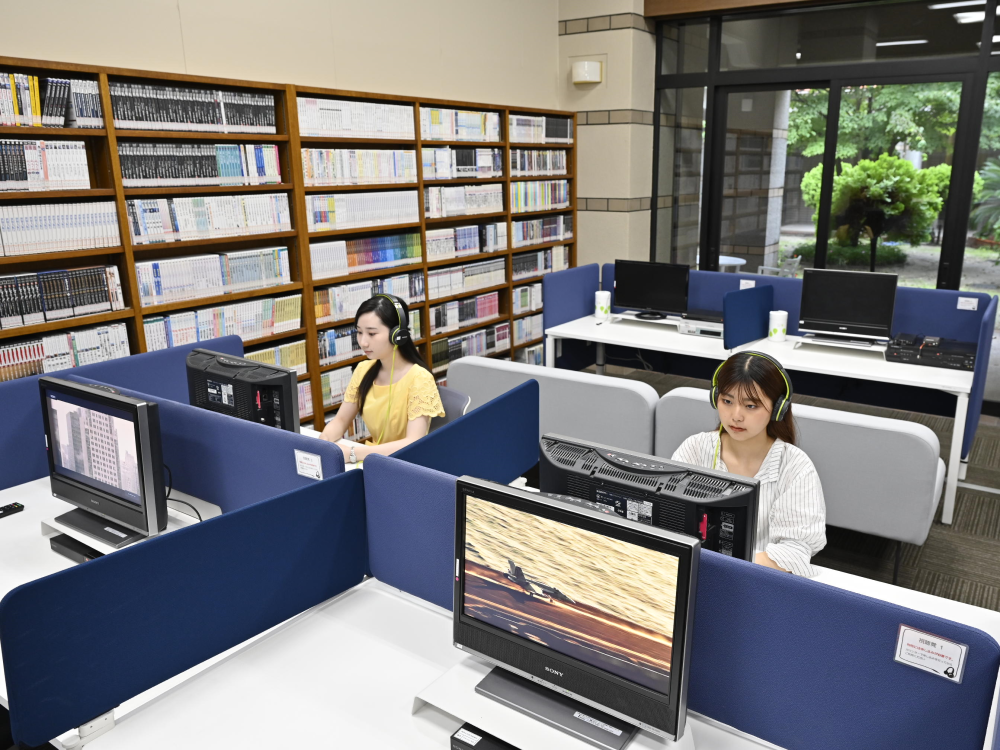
(472, 50)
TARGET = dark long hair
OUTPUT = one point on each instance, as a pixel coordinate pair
(386, 312)
(738, 377)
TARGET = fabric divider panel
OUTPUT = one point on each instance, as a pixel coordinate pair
(82, 641)
(707, 289)
(802, 664)
(497, 441)
(935, 312)
(979, 375)
(568, 295)
(228, 461)
(411, 527)
(746, 313)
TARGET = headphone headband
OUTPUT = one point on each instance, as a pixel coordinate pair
(780, 407)
(401, 332)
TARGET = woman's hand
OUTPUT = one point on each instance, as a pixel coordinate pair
(346, 448)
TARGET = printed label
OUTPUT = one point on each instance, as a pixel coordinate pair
(600, 724)
(467, 737)
(747, 283)
(931, 653)
(116, 532)
(968, 303)
(308, 465)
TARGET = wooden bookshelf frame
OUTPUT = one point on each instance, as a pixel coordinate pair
(106, 179)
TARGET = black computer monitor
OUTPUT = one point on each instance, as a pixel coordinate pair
(847, 303)
(243, 388)
(105, 457)
(575, 605)
(651, 288)
(718, 508)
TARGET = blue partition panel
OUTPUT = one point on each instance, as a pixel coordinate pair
(232, 462)
(746, 313)
(411, 527)
(806, 665)
(934, 312)
(497, 441)
(984, 345)
(22, 439)
(569, 295)
(80, 642)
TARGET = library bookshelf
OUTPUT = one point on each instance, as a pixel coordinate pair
(107, 183)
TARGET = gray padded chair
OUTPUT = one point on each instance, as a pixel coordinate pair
(611, 411)
(455, 405)
(880, 476)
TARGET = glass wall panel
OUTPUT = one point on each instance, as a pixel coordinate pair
(894, 153)
(981, 264)
(679, 174)
(685, 47)
(877, 31)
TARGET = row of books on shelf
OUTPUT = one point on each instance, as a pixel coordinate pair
(544, 129)
(531, 355)
(341, 257)
(291, 355)
(174, 279)
(481, 343)
(451, 280)
(535, 162)
(154, 220)
(527, 329)
(526, 298)
(538, 231)
(63, 350)
(340, 118)
(250, 319)
(336, 303)
(140, 106)
(334, 384)
(31, 101)
(341, 343)
(305, 400)
(456, 314)
(58, 227)
(457, 242)
(443, 124)
(43, 165)
(28, 299)
(352, 210)
(198, 164)
(462, 200)
(449, 163)
(539, 262)
(357, 166)
(539, 195)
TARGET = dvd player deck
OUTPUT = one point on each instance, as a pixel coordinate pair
(931, 351)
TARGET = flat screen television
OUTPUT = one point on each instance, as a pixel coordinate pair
(847, 303)
(718, 508)
(243, 388)
(105, 457)
(653, 289)
(576, 604)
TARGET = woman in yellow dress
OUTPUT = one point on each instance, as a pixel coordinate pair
(394, 390)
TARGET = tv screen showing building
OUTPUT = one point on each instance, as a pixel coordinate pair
(603, 601)
(95, 447)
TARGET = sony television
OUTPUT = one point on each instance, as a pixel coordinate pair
(243, 388)
(847, 304)
(586, 615)
(105, 458)
(653, 289)
(717, 507)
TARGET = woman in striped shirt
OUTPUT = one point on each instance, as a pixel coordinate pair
(756, 438)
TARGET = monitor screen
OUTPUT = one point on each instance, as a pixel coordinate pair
(602, 601)
(849, 302)
(95, 445)
(660, 287)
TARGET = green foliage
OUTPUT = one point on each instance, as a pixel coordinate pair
(838, 255)
(985, 218)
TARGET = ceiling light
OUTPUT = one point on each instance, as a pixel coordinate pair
(962, 4)
(975, 17)
(900, 43)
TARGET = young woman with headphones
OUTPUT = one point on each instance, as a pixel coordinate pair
(756, 438)
(393, 390)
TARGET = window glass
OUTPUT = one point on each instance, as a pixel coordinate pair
(685, 47)
(981, 263)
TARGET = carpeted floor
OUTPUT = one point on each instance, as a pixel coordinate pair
(961, 561)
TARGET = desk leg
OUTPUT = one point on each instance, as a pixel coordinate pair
(550, 351)
(601, 359)
(955, 458)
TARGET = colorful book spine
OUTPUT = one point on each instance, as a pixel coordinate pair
(340, 118)
(58, 227)
(354, 210)
(341, 257)
(250, 320)
(451, 280)
(63, 350)
(462, 200)
(539, 195)
(341, 166)
(153, 220)
(444, 124)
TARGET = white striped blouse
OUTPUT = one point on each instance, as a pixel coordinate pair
(791, 515)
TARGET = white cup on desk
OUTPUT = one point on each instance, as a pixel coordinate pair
(602, 305)
(777, 325)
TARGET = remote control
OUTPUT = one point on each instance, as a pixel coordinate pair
(9, 510)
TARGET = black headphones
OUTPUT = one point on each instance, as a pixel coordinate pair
(401, 333)
(781, 406)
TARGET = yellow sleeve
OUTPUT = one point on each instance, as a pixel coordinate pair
(425, 401)
(351, 394)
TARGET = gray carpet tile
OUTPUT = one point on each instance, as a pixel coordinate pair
(959, 589)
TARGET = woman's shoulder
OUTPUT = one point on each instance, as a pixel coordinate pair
(363, 366)
(796, 460)
(423, 376)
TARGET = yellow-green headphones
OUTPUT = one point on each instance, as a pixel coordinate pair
(401, 332)
(781, 406)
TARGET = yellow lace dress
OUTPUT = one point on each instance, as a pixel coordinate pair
(413, 395)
